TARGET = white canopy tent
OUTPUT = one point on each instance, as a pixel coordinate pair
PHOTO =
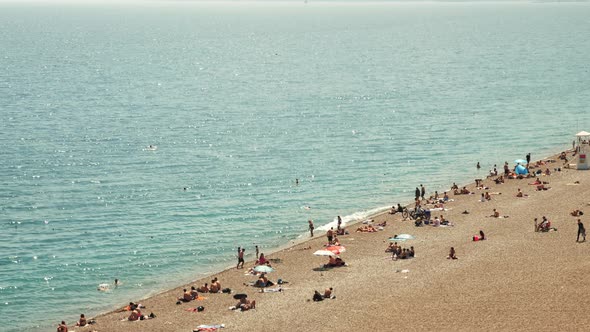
(583, 150)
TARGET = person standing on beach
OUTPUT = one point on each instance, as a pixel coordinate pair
(240, 258)
(330, 235)
(417, 193)
(310, 222)
(422, 191)
(257, 252)
(581, 231)
(528, 158)
(478, 166)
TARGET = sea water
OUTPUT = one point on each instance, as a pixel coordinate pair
(359, 102)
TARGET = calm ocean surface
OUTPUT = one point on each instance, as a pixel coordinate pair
(361, 103)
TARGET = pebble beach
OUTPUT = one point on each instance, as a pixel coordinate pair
(517, 279)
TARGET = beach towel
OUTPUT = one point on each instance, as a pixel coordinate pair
(205, 328)
(272, 290)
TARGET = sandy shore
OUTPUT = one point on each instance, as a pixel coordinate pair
(517, 279)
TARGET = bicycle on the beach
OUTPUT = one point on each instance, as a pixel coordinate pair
(414, 214)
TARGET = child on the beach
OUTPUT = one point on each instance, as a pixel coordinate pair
(452, 254)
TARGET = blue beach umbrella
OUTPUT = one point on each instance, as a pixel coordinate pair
(521, 170)
(520, 161)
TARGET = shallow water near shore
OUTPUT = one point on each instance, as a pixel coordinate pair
(361, 104)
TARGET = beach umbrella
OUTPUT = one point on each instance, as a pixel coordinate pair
(336, 249)
(403, 237)
(240, 296)
(263, 269)
(521, 170)
(324, 253)
(396, 239)
(520, 161)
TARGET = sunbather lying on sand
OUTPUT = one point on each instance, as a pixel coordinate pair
(136, 315)
(244, 304)
(577, 213)
(263, 282)
(366, 229)
(335, 262)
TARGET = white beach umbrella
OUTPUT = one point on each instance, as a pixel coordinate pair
(404, 237)
(324, 253)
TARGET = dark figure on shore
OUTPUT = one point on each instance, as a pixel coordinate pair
(528, 158)
(452, 254)
(422, 191)
(240, 258)
(482, 236)
(581, 231)
(417, 193)
(62, 327)
(478, 166)
(310, 222)
(330, 234)
(257, 251)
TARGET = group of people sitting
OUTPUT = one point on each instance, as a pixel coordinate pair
(263, 282)
(485, 197)
(317, 296)
(463, 191)
(436, 222)
(544, 226)
(397, 252)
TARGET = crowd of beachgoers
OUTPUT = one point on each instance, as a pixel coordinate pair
(428, 210)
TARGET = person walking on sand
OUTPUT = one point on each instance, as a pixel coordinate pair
(240, 258)
(310, 222)
(528, 158)
(581, 231)
(330, 235)
(422, 191)
(417, 193)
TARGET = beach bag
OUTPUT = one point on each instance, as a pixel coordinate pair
(226, 291)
